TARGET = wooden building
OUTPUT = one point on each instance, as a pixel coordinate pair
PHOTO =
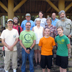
(19, 8)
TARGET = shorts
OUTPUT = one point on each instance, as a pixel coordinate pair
(62, 61)
(36, 47)
(46, 61)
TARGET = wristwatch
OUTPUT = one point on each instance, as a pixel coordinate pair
(30, 48)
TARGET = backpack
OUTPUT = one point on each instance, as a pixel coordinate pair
(19, 30)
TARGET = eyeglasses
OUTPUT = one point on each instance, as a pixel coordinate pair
(10, 23)
(28, 25)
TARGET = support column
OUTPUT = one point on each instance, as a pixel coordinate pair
(61, 5)
(10, 9)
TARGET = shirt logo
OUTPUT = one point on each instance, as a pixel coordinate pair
(14, 36)
(62, 40)
(27, 37)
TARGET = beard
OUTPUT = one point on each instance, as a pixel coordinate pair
(62, 18)
(15, 23)
(28, 28)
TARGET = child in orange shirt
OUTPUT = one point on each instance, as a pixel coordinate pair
(46, 45)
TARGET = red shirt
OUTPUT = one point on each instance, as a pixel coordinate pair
(16, 27)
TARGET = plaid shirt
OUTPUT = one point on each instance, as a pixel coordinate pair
(53, 30)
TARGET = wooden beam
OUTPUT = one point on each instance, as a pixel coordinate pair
(16, 4)
(19, 5)
(31, 14)
(30, 6)
(3, 11)
(61, 5)
(48, 9)
(35, 6)
(57, 0)
(51, 0)
(3, 6)
(25, 8)
(68, 6)
(10, 9)
(5, 2)
(52, 5)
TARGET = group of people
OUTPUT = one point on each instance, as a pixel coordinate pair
(37, 39)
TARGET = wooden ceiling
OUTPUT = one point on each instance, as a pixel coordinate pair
(34, 6)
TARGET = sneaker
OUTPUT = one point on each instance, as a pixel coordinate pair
(6, 71)
(14, 70)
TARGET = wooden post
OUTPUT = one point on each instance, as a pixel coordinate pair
(10, 9)
(61, 5)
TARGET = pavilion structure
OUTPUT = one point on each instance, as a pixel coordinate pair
(19, 8)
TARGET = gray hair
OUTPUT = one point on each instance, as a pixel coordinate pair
(62, 11)
(15, 18)
(49, 18)
(37, 19)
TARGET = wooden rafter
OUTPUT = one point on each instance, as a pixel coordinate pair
(30, 6)
(31, 13)
(19, 5)
(68, 6)
(5, 2)
(2, 10)
(52, 5)
(16, 4)
(3, 6)
(48, 9)
(35, 6)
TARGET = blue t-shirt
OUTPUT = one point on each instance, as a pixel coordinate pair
(54, 22)
(24, 23)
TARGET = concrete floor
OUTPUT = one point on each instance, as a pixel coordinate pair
(36, 69)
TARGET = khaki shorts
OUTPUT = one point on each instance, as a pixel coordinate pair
(36, 47)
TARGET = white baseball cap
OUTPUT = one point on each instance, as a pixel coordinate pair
(9, 20)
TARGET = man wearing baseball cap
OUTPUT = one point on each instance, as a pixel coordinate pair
(9, 39)
(28, 19)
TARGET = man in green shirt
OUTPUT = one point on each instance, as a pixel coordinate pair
(63, 44)
(27, 41)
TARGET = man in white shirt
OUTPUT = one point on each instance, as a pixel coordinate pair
(9, 39)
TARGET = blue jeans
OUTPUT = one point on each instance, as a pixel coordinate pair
(24, 58)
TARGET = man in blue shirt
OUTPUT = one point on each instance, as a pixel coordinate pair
(28, 19)
(54, 19)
